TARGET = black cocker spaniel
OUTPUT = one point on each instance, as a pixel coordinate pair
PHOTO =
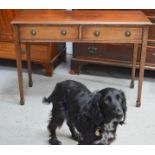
(92, 117)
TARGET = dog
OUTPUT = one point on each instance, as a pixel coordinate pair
(92, 117)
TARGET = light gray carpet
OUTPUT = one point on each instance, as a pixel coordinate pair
(27, 124)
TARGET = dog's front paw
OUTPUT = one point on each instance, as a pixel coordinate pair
(81, 143)
(54, 141)
(77, 137)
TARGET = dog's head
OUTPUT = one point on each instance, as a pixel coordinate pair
(113, 105)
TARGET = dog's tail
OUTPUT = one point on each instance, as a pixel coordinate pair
(47, 100)
(51, 98)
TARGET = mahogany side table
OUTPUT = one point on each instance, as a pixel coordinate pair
(100, 26)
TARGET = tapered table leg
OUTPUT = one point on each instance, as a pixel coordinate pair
(19, 64)
(29, 64)
(142, 63)
(134, 61)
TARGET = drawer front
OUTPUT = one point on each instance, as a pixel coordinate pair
(48, 32)
(39, 52)
(150, 57)
(122, 34)
(151, 34)
(113, 52)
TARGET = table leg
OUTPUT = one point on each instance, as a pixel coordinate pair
(19, 64)
(29, 64)
(134, 61)
(75, 67)
(142, 63)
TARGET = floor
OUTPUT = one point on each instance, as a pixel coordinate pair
(27, 124)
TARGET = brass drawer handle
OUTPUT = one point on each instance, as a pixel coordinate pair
(92, 50)
(127, 33)
(97, 33)
(33, 32)
(63, 32)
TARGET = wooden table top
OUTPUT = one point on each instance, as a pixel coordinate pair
(81, 17)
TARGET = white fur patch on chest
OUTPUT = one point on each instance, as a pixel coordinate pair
(107, 134)
(109, 126)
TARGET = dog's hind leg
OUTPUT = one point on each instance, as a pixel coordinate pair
(56, 121)
(73, 131)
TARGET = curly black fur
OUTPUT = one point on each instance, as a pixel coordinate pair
(92, 117)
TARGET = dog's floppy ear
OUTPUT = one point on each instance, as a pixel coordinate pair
(91, 114)
(96, 112)
(124, 106)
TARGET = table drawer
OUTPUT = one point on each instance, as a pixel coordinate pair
(48, 32)
(150, 57)
(114, 52)
(111, 33)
